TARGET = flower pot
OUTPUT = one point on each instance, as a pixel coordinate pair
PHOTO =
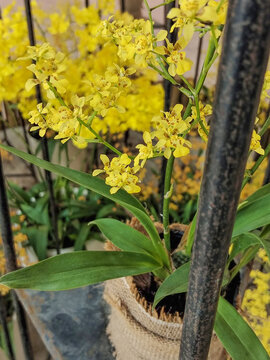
(138, 334)
(136, 331)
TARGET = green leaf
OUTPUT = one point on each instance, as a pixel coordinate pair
(176, 283)
(38, 238)
(98, 185)
(235, 334)
(253, 214)
(87, 181)
(37, 215)
(187, 211)
(18, 193)
(77, 269)
(243, 242)
(125, 237)
(262, 192)
(105, 211)
(82, 237)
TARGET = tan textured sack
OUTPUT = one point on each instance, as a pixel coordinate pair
(137, 335)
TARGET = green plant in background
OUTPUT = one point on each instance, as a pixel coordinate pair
(172, 135)
(76, 207)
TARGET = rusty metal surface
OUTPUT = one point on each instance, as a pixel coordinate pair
(240, 77)
(72, 324)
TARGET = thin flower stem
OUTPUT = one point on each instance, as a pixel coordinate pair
(91, 118)
(187, 83)
(252, 171)
(199, 116)
(56, 94)
(101, 140)
(220, 4)
(265, 127)
(166, 201)
(163, 4)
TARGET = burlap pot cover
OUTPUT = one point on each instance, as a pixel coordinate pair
(138, 334)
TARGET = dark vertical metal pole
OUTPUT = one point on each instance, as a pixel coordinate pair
(172, 38)
(86, 3)
(123, 5)
(240, 77)
(45, 151)
(3, 321)
(11, 263)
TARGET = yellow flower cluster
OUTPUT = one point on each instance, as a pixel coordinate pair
(201, 118)
(176, 58)
(256, 301)
(170, 128)
(48, 68)
(78, 68)
(134, 40)
(119, 174)
(13, 42)
(197, 12)
(62, 119)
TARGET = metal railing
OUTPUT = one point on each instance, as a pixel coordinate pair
(240, 76)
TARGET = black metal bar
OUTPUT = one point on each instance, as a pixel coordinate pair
(28, 147)
(172, 38)
(11, 262)
(3, 321)
(198, 60)
(5, 224)
(240, 77)
(5, 118)
(45, 150)
(123, 5)
(86, 3)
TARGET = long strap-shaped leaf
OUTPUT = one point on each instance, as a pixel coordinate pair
(77, 269)
(98, 185)
(233, 331)
(125, 237)
(235, 334)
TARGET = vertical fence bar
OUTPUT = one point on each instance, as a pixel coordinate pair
(240, 77)
(45, 150)
(123, 5)
(11, 263)
(3, 321)
(86, 3)
(172, 38)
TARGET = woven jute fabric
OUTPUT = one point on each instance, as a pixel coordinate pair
(137, 333)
